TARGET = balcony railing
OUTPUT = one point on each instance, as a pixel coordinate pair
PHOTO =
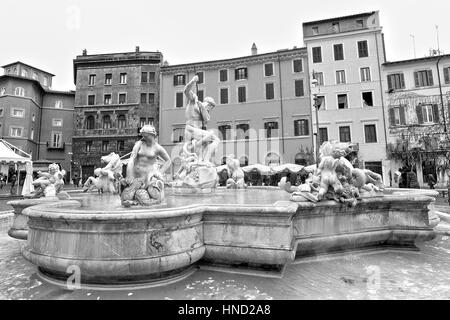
(51, 147)
(106, 132)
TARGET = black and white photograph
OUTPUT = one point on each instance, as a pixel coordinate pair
(236, 152)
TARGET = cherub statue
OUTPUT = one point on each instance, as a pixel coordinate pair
(305, 192)
(235, 174)
(50, 183)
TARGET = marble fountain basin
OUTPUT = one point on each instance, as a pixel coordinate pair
(239, 230)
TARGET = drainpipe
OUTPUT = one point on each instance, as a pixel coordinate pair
(440, 92)
(281, 105)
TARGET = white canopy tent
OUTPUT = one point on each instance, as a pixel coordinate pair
(10, 155)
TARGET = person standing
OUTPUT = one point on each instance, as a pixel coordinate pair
(431, 181)
(13, 184)
(412, 182)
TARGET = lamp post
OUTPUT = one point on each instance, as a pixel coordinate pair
(316, 104)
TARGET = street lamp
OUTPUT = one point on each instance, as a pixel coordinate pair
(317, 103)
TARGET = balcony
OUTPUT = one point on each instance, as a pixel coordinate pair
(51, 147)
(106, 132)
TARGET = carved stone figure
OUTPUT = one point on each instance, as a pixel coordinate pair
(106, 179)
(50, 183)
(235, 174)
(144, 184)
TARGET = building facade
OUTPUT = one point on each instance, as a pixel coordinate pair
(263, 107)
(35, 118)
(116, 94)
(418, 107)
(345, 56)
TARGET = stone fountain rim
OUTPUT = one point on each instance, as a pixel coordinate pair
(52, 210)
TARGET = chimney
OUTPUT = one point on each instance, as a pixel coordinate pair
(84, 52)
(137, 49)
(254, 50)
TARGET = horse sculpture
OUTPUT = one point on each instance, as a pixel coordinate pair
(107, 178)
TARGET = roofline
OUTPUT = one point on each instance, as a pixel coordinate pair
(416, 60)
(364, 14)
(113, 53)
(38, 83)
(232, 59)
(30, 66)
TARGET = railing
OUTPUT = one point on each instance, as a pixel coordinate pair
(51, 147)
(106, 132)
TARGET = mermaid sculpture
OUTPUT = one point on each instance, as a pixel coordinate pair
(50, 183)
(144, 184)
(107, 178)
(335, 178)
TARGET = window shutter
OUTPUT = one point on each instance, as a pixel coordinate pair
(402, 115)
(296, 131)
(402, 80)
(436, 116)
(447, 75)
(246, 73)
(392, 117)
(236, 74)
(419, 114)
(389, 79)
(416, 79)
(430, 77)
(306, 127)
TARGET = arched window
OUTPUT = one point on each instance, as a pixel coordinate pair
(300, 160)
(90, 123)
(272, 158)
(106, 122)
(19, 91)
(121, 122)
(243, 161)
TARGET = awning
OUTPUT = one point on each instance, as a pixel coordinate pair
(8, 156)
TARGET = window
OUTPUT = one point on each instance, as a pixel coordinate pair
(297, 65)
(92, 79)
(335, 27)
(301, 128)
(370, 132)
(423, 78)
(106, 122)
(123, 78)
(397, 116)
(58, 104)
(179, 80)
(396, 81)
(56, 139)
(105, 145)
(242, 131)
(143, 98)
(299, 88)
(122, 98)
(268, 69)
(107, 99)
(90, 123)
(367, 98)
(241, 74)
(33, 118)
(338, 52)
(271, 129)
(152, 77)
(223, 75)
(223, 95)
(319, 77)
(323, 135)
(19, 91)
(2, 91)
(201, 77)
(365, 74)
(24, 73)
(321, 101)
(142, 122)
(45, 81)
(120, 145)
(35, 76)
(88, 146)
(225, 132)
(16, 132)
(121, 121)
(242, 94)
(178, 135)
(359, 23)
(315, 31)
(363, 50)
(57, 122)
(447, 75)
(270, 93)
(144, 77)
(344, 134)
(108, 79)
(91, 100)
(179, 100)
(340, 77)
(200, 95)
(17, 113)
(317, 54)
(342, 101)
(427, 113)
(32, 134)
(151, 98)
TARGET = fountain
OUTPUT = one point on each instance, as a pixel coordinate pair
(107, 178)
(152, 235)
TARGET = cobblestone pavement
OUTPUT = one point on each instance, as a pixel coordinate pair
(379, 275)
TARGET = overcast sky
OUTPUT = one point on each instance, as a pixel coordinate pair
(48, 34)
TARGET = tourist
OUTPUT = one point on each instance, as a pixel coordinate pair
(411, 178)
(13, 184)
(431, 181)
(1, 181)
